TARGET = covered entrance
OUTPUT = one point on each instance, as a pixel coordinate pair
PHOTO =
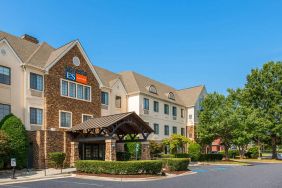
(100, 138)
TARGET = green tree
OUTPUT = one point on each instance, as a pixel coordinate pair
(194, 151)
(264, 94)
(14, 128)
(155, 148)
(176, 142)
(5, 148)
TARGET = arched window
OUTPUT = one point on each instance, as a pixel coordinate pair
(171, 96)
(153, 89)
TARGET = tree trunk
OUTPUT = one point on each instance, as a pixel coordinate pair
(273, 144)
(226, 152)
(241, 151)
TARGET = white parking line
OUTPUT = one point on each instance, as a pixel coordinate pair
(78, 183)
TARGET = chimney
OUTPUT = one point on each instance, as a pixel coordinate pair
(30, 38)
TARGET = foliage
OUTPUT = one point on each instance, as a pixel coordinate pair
(176, 164)
(211, 157)
(252, 153)
(231, 153)
(155, 148)
(123, 156)
(119, 167)
(5, 148)
(130, 147)
(164, 156)
(176, 142)
(194, 151)
(182, 155)
(4, 119)
(57, 158)
(263, 93)
(19, 142)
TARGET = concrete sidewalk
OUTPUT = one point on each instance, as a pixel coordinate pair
(25, 175)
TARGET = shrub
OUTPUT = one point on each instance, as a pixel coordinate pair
(231, 153)
(155, 148)
(194, 150)
(5, 148)
(252, 153)
(167, 156)
(119, 167)
(174, 164)
(57, 158)
(182, 155)
(130, 147)
(211, 157)
(123, 156)
(19, 142)
(4, 119)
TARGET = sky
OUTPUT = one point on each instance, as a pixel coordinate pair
(180, 43)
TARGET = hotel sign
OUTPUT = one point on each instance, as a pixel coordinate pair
(76, 75)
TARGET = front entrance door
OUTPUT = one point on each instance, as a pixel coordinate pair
(93, 152)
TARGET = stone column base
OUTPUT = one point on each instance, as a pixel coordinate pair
(110, 153)
(145, 151)
(74, 154)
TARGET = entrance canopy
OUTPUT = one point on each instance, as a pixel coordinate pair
(114, 126)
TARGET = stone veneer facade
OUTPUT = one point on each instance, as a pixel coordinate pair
(53, 138)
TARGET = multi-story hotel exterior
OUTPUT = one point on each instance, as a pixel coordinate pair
(69, 105)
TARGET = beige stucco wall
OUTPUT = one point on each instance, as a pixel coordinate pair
(13, 94)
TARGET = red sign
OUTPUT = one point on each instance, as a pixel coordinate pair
(81, 78)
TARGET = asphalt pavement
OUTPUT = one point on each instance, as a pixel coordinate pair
(258, 176)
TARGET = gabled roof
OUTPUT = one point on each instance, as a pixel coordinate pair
(23, 48)
(190, 95)
(135, 83)
(107, 77)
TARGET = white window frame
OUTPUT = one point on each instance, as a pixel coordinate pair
(85, 115)
(60, 119)
(76, 98)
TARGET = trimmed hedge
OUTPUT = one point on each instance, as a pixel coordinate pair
(211, 157)
(123, 156)
(57, 158)
(165, 156)
(119, 167)
(176, 164)
(182, 155)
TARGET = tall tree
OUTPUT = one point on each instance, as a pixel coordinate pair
(264, 94)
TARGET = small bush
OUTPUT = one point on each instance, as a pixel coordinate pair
(252, 153)
(155, 149)
(123, 156)
(231, 153)
(130, 147)
(119, 167)
(182, 155)
(15, 129)
(5, 148)
(174, 164)
(194, 150)
(57, 158)
(211, 157)
(167, 156)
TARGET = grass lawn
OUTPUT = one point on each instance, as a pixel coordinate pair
(259, 160)
(228, 162)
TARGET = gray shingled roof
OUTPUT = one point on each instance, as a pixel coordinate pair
(107, 77)
(190, 96)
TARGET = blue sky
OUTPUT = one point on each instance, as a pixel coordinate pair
(181, 43)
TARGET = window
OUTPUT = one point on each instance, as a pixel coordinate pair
(86, 117)
(64, 88)
(156, 128)
(72, 90)
(166, 130)
(80, 91)
(153, 89)
(190, 116)
(183, 131)
(174, 130)
(166, 109)
(65, 119)
(182, 113)
(5, 75)
(118, 101)
(5, 109)
(76, 91)
(174, 111)
(105, 98)
(146, 104)
(36, 116)
(36, 81)
(171, 96)
(156, 106)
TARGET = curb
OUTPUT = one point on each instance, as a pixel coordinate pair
(32, 179)
(99, 178)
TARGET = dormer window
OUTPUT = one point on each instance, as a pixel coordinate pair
(171, 96)
(153, 89)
